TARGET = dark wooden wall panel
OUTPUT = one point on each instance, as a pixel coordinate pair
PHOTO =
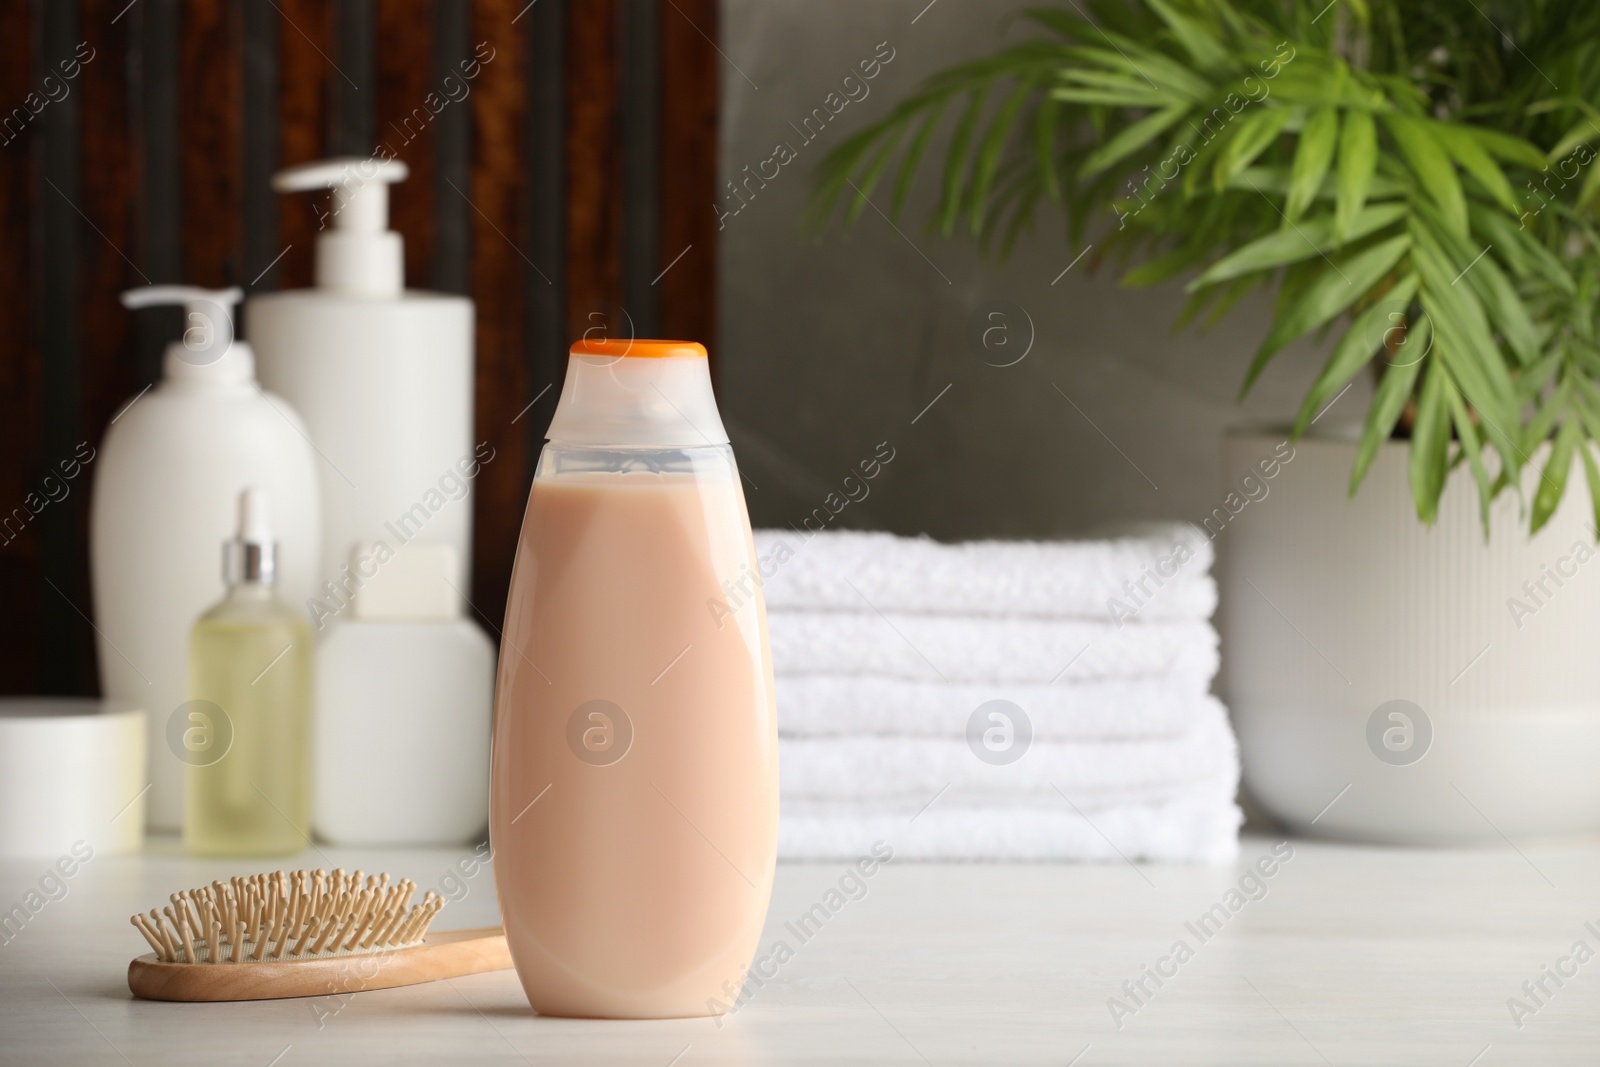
(58, 243)
(594, 167)
(154, 71)
(262, 24)
(109, 249)
(452, 30)
(21, 377)
(579, 164)
(109, 195)
(499, 233)
(305, 66)
(690, 66)
(548, 338)
(410, 94)
(355, 73)
(639, 146)
(211, 113)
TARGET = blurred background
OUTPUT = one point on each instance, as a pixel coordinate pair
(827, 348)
(586, 174)
(547, 186)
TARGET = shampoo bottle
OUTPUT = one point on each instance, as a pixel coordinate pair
(409, 684)
(166, 492)
(249, 715)
(382, 374)
(634, 803)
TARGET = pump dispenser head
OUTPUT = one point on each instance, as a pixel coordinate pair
(252, 556)
(357, 253)
(207, 351)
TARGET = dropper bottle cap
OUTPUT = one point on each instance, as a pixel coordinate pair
(357, 253)
(208, 352)
(252, 555)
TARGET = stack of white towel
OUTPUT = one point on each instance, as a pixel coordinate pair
(884, 647)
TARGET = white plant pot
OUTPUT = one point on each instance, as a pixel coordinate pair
(1334, 607)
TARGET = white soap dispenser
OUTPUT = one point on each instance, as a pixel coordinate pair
(383, 375)
(404, 697)
(168, 477)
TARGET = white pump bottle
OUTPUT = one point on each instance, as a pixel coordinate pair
(168, 477)
(383, 376)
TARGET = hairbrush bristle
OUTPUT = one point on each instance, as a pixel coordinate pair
(288, 915)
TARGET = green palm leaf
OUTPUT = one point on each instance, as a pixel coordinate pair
(1389, 164)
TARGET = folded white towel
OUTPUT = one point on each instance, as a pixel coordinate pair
(959, 649)
(1158, 571)
(912, 770)
(1211, 794)
(1180, 832)
(865, 705)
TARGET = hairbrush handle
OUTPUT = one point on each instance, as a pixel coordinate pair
(446, 954)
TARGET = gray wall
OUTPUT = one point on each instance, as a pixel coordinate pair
(826, 350)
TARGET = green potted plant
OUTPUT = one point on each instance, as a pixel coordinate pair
(1414, 182)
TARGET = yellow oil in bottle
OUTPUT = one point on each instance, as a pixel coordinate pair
(249, 793)
(247, 736)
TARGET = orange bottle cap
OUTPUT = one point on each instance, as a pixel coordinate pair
(663, 400)
(638, 348)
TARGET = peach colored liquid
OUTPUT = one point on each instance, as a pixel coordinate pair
(635, 888)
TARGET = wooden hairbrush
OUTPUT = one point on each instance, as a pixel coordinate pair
(302, 934)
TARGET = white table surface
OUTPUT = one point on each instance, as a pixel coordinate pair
(1354, 956)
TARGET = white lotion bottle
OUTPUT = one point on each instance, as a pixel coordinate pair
(382, 374)
(166, 490)
(404, 697)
